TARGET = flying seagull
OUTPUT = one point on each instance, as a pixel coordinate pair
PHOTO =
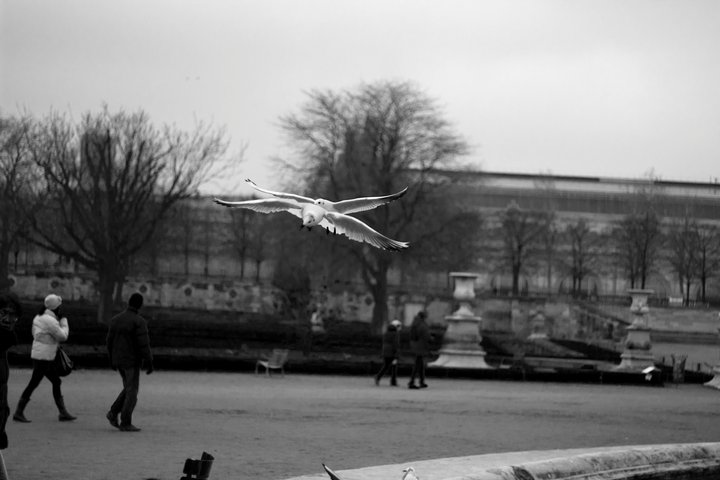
(332, 216)
(333, 475)
(409, 474)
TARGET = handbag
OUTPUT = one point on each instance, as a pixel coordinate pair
(63, 363)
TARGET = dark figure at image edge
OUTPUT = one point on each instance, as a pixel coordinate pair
(390, 353)
(49, 329)
(128, 345)
(420, 347)
(10, 311)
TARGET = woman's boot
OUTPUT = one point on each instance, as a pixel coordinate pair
(19, 415)
(64, 414)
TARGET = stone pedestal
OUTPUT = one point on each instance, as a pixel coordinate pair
(461, 343)
(638, 347)
(715, 381)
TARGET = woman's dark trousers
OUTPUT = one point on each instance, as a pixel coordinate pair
(389, 364)
(43, 368)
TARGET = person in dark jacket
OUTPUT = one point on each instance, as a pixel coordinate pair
(128, 345)
(420, 347)
(10, 311)
(390, 352)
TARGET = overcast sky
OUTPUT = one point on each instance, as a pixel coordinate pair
(595, 87)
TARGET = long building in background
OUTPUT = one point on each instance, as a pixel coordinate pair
(202, 243)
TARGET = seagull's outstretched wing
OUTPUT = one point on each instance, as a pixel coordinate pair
(333, 475)
(361, 204)
(289, 196)
(359, 231)
(264, 205)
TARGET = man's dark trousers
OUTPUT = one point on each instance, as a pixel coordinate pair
(125, 402)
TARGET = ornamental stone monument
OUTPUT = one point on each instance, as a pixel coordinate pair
(715, 381)
(461, 343)
(638, 354)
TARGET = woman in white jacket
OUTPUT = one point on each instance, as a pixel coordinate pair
(49, 329)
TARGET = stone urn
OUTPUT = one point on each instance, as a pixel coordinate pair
(638, 347)
(715, 381)
(461, 342)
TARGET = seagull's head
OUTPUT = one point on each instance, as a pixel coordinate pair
(322, 202)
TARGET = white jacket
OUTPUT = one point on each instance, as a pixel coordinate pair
(47, 333)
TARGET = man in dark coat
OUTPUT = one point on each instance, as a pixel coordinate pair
(10, 311)
(128, 345)
(420, 346)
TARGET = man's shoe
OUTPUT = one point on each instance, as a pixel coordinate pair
(112, 419)
(129, 428)
(423, 385)
(412, 386)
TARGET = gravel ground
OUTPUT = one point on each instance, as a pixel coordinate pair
(274, 428)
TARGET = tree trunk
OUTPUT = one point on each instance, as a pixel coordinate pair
(380, 310)
(106, 289)
(4, 262)
(516, 279)
(379, 292)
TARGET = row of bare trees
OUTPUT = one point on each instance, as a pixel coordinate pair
(639, 245)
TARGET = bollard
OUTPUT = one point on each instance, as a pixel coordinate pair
(198, 469)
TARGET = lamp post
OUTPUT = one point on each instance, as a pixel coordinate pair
(461, 342)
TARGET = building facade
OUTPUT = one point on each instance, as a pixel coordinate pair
(200, 243)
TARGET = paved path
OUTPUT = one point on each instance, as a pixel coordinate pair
(269, 429)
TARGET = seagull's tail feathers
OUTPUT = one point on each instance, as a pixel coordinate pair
(332, 474)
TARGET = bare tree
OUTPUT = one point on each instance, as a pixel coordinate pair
(683, 254)
(20, 185)
(551, 232)
(522, 234)
(111, 180)
(249, 238)
(639, 238)
(584, 253)
(708, 255)
(376, 140)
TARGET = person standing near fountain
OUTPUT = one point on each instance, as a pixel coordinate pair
(420, 347)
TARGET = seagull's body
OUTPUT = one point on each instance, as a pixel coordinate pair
(333, 216)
